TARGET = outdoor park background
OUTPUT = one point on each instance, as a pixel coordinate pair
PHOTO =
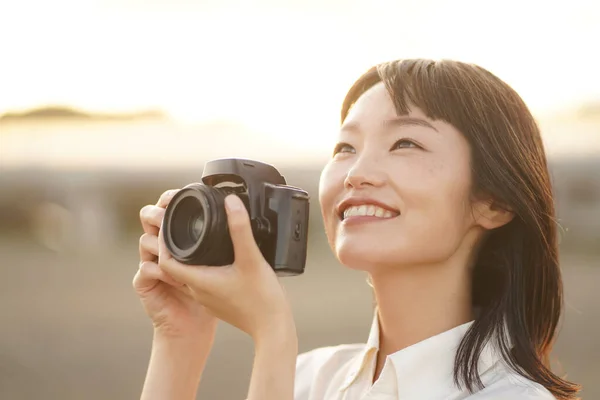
(106, 104)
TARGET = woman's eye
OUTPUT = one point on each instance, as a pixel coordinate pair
(405, 144)
(343, 148)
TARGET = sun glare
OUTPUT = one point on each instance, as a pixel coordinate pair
(283, 71)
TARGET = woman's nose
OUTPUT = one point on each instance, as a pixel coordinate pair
(365, 173)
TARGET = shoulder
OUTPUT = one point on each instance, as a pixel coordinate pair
(322, 361)
(510, 385)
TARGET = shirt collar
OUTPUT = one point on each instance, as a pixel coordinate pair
(425, 369)
(360, 362)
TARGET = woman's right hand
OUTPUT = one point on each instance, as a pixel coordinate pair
(174, 313)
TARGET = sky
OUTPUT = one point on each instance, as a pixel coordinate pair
(280, 66)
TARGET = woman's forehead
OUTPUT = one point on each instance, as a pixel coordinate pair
(376, 105)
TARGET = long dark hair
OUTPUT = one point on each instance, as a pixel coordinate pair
(517, 284)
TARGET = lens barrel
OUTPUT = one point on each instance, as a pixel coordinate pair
(195, 226)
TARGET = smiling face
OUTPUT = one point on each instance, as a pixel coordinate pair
(451, 154)
(397, 189)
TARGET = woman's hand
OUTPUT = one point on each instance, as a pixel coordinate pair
(184, 331)
(247, 293)
(169, 304)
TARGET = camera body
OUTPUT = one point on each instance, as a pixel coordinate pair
(195, 223)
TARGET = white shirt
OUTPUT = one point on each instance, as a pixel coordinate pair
(423, 371)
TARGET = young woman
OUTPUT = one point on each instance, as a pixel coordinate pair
(439, 190)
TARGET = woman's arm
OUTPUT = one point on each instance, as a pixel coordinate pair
(176, 366)
(274, 366)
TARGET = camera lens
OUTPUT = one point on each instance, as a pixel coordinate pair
(195, 226)
(187, 224)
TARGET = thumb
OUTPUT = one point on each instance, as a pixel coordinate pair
(245, 249)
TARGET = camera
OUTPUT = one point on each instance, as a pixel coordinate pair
(195, 226)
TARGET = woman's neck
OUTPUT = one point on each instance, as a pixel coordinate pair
(415, 303)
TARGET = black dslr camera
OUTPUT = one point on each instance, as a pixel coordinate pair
(195, 226)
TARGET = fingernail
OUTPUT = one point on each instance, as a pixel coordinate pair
(233, 203)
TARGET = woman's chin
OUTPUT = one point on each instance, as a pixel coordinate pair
(362, 257)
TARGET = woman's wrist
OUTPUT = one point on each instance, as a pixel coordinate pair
(191, 340)
(192, 348)
(274, 326)
(280, 333)
(176, 366)
(197, 329)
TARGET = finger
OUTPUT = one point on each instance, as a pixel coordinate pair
(166, 197)
(245, 249)
(148, 247)
(149, 274)
(190, 275)
(196, 276)
(163, 252)
(201, 279)
(151, 218)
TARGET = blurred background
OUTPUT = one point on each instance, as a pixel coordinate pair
(106, 104)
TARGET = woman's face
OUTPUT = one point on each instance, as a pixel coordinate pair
(397, 189)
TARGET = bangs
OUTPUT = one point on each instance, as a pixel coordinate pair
(427, 84)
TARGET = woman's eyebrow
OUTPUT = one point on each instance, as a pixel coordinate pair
(354, 127)
(404, 121)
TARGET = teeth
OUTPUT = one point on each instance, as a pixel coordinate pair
(367, 210)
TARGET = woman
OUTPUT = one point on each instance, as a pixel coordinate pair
(439, 190)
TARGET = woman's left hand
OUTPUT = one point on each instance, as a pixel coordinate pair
(246, 294)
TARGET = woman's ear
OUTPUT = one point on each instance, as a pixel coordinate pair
(489, 214)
